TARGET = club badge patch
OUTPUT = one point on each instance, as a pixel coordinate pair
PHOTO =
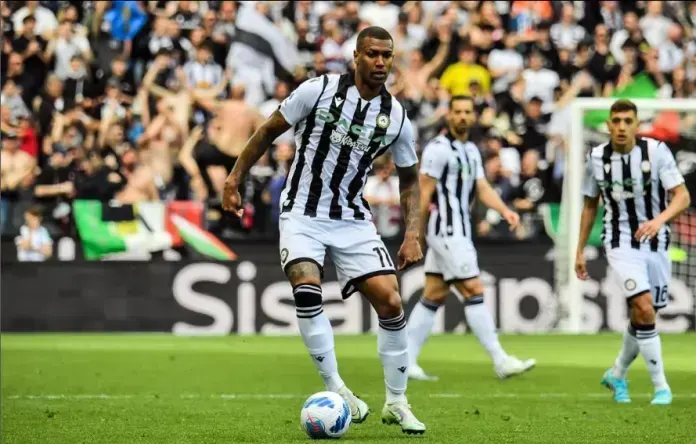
(383, 121)
(283, 255)
(645, 166)
(630, 285)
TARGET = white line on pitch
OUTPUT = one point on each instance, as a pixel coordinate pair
(249, 396)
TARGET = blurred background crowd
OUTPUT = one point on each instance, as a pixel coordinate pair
(134, 101)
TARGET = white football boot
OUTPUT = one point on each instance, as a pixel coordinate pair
(512, 366)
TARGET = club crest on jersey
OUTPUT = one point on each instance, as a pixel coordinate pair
(630, 284)
(383, 121)
(645, 166)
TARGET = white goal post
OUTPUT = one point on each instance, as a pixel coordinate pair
(569, 290)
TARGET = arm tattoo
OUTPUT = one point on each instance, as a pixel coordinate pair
(410, 197)
(303, 272)
(257, 145)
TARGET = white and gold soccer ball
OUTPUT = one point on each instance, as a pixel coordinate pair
(325, 415)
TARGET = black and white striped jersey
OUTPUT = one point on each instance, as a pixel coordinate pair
(199, 75)
(338, 136)
(634, 188)
(457, 166)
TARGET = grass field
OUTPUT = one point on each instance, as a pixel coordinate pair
(113, 389)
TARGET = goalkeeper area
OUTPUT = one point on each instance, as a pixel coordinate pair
(67, 389)
(672, 121)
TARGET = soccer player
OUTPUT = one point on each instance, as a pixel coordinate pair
(451, 175)
(633, 176)
(342, 124)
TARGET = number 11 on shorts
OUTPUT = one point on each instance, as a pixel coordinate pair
(379, 251)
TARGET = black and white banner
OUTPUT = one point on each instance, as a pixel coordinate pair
(252, 296)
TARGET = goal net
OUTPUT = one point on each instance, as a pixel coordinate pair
(590, 306)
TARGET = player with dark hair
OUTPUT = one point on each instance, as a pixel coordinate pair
(635, 177)
(342, 124)
(451, 175)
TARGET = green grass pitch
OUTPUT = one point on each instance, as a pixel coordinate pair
(113, 389)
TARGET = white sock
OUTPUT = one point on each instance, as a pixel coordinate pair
(392, 344)
(420, 323)
(480, 321)
(317, 333)
(651, 349)
(629, 352)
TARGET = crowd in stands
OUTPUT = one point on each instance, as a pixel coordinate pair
(134, 101)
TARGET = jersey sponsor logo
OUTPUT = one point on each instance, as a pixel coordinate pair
(358, 130)
(619, 189)
(340, 139)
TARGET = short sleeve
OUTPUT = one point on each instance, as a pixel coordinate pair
(590, 187)
(433, 161)
(669, 174)
(404, 148)
(478, 165)
(301, 101)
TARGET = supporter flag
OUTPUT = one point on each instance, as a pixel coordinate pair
(255, 34)
(108, 229)
(642, 87)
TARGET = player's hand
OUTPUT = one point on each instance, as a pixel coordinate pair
(231, 199)
(581, 268)
(648, 230)
(409, 253)
(512, 218)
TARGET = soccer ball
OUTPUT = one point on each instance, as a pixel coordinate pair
(325, 415)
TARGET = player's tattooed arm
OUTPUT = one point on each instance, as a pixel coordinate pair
(410, 198)
(427, 188)
(256, 146)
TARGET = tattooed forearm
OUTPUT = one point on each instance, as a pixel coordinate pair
(410, 198)
(257, 145)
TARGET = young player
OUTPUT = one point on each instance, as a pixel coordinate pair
(451, 175)
(343, 123)
(633, 176)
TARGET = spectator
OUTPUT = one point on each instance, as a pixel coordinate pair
(489, 220)
(539, 81)
(32, 47)
(457, 78)
(381, 13)
(567, 33)
(382, 193)
(16, 176)
(505, 65)
(655, 26)
(66, 47)
(34, 244)
(45, 19)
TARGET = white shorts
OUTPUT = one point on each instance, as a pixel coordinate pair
(453, 258)
(353, 245)
(641, 271)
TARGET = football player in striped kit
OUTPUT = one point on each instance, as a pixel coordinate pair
(635, 178)
(451, 176)
(342, 124)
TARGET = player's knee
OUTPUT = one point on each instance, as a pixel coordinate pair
(473, 287)
(389, 305)
(436, 298)
(642, 310)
